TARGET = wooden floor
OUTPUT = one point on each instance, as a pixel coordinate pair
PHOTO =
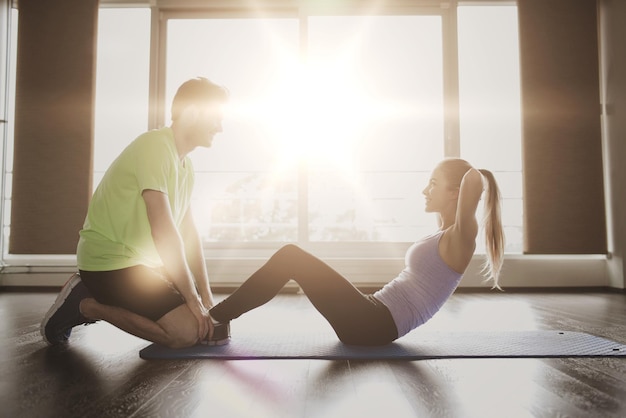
(99, 374)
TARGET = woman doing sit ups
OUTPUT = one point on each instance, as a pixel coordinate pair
(434, 266)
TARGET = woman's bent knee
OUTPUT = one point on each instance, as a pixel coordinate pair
(291, 252)
(289, 249)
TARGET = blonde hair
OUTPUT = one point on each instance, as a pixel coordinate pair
(454, 169)
(494, 233)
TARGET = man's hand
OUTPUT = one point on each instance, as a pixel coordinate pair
(205, 326)
(171, 248)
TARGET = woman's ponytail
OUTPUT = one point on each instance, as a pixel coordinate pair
(494, 234)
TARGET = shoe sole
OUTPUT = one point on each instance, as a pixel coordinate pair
(65, 291)
(225, 341)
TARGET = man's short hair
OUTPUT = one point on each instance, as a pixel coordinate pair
(197, 91)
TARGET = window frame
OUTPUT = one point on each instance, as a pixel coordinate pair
(450, 84)
(5, 61)
(162, 10)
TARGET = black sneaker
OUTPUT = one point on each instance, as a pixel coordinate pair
(221, 334)
(64, 314)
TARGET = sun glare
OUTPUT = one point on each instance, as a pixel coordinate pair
(313, 113)
(316, 113)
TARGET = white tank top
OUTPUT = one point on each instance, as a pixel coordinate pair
(421, 289)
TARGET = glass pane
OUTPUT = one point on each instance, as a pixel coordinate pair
(12, 77)
(240, 207)
(122, 77)
(378, 130)
(244, 190)
(9, 126)
(490, 114)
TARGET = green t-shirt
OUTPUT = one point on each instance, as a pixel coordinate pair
(116, 233)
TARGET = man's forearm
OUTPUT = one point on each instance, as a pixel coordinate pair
(169, 244)
(170, 248)
(195, 258)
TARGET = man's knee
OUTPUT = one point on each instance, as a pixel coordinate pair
(182, 341)
(180, 327)
(180, 337)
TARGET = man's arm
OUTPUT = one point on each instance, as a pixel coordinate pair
(170, 247)
(195, 258)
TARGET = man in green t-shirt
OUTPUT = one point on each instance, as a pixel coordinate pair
(140, 260)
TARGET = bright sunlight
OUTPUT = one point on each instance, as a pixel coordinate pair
(316, 109)
(313, 113)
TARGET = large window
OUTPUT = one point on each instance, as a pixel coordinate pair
(122, 81)
(330, 144)
(335, 121)
(490, 104)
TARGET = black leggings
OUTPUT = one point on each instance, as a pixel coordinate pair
(357, 319)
